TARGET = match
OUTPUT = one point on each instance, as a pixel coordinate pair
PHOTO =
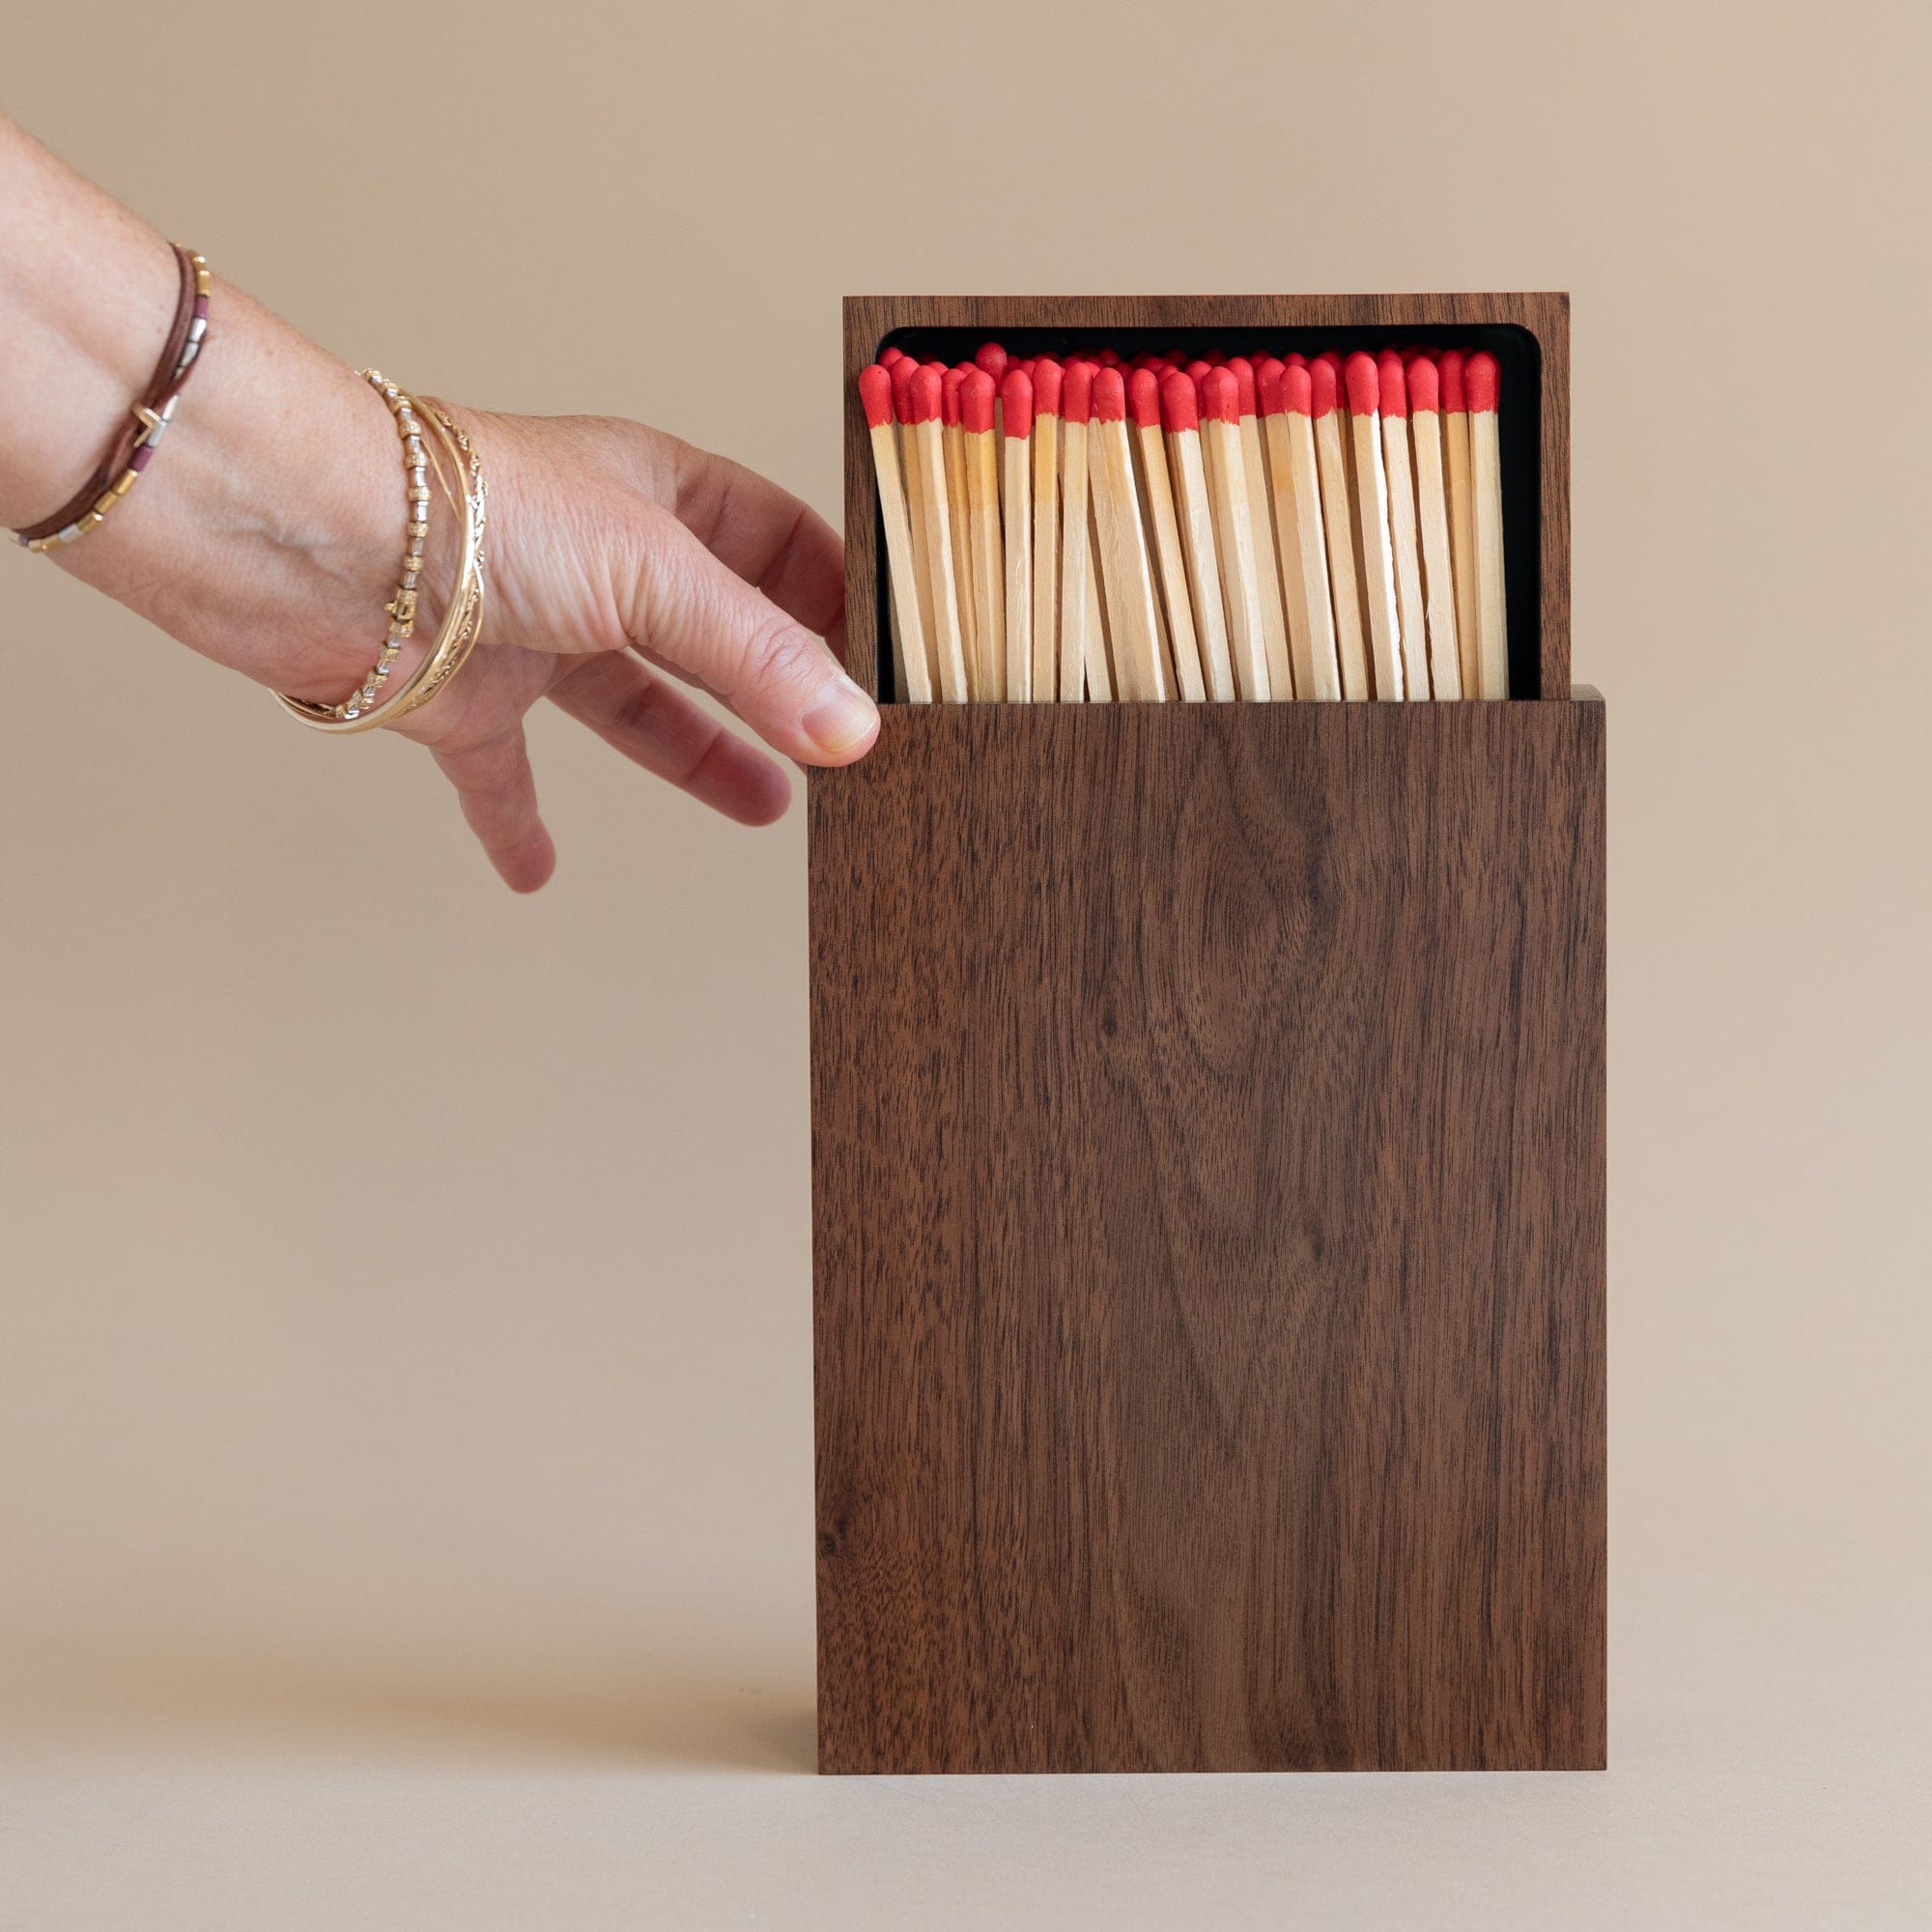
(1016, 506)
(913, 667)
(1126, 567)
(1405, 544)
(1432, 516)
(1372, 523)
(1481, 379)
(1234, 529)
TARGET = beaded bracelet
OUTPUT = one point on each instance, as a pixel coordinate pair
(463, 622)
(153, 411)
(401, 607)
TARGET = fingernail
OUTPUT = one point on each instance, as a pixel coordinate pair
(842, 718)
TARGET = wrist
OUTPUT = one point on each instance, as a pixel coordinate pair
(268, 531)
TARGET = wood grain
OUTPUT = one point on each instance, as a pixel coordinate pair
(1529, 334)
(1208, 1108)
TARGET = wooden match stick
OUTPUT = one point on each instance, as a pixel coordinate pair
(1333, 358)
(1156, 492)
(1432, 516)
(903, 371)
(1016, 503)
(1046, 382)
(992, 357)
(949, 647)
(1462, 516)
(914, 667)
(987, 673)
(1098, 654)
(1260, 518)
(1233, 531)
(1125, 566)
(1180, 420)
(1403, 537)
(959, 516)
(1283, 395)
(1099, 638)
(1338, 519)
(1372, 523)
(1486, 490)
(1075, 589)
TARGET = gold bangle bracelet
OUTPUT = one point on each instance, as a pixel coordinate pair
(462, 623)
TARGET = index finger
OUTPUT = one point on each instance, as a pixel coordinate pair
(777, 543)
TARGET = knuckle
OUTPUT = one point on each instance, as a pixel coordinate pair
(782, 658)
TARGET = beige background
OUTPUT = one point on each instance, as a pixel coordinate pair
(404, 1511)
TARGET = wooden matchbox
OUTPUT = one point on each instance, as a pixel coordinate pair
(1208, 1176)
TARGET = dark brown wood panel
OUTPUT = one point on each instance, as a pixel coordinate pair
(1545, 315)
(1208, 1116)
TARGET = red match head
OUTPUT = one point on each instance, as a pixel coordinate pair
(1047, 378)
(1144, 398)
(1424, 387)
(975, 403)
(1480, 378)
(1394, 387)
(1243, 372)
(1180, 406)
(875, 394)
(903, 371)
(992, 358)
(949, 385)
(1107, 358)
(1450, 369)
(1322, 386)
(1110, 395)
(1329, 361)
(1221, 396)
(1198, 371)
(927, 390)
(1148, 359)
(1267, 384)
(1364, 384)
(1016, 401)
(1076, 391)
(1421, 353)
(1296, 389)
(1294, 360)
(891, 353)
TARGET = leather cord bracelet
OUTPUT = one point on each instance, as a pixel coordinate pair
(150, 416)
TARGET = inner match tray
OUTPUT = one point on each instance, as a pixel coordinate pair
(1208, 1195)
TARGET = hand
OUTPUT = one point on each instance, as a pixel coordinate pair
(620, 562)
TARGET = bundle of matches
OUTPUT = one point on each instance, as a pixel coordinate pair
(1213, 527)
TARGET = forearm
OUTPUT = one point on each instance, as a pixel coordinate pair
(267, 531)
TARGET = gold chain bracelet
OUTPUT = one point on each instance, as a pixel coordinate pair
(462, 623)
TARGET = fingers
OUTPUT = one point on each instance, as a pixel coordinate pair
(773, 541)
(498, 795)
(682, 604)
(655, 725)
